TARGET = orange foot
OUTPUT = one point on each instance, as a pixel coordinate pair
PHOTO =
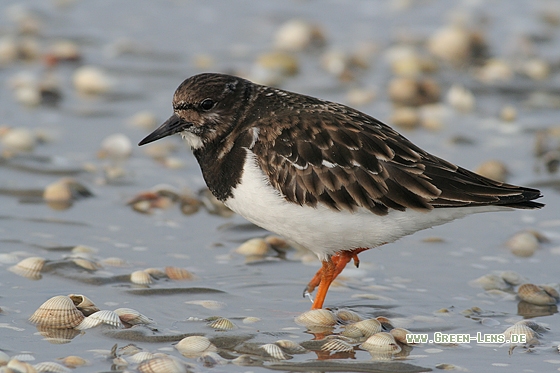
(328, 272)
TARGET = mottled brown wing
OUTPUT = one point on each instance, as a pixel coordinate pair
(345, 160)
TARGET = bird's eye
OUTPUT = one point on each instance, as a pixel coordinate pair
(207, 104)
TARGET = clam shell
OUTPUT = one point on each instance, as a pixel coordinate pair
(141, 278)
(531, 336)
(73, 361)
(105, 317)
(534, 325)
(290, 347)
(210, 359)
(15, 365)
(51, 367)
(490, 282)
(537, 295)
(176, 273)
(162, 364)
(139, 357)
(88, 264)
(275, 352)
(57, 336)
(513, 278)
(380, 344)
(400, 335)
(129, 349)
(194, 346)
(84, 304)
(523, 244)
(132, 317)
(4, 358)
(57, 313)
(29, 267)
(253, 247)
(251, 320)
(222, 323)
(336, 345)
(347, 316)
(385, 322)
(314, 318)
(365, 328)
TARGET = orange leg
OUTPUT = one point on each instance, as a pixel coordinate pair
(330, 269)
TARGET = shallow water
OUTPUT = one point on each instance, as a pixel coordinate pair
(148, 50)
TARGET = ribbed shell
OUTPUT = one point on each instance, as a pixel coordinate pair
(132, 317)
(336, 345)
(194, 346)
(222, 323)
(15, 365)
(29, 267)
(275, 352)
(365, 328)
(139, 357)
(57, 313)
(381, 343)
(313, 318)
(141, 278)
(400, 335)
(531, 336)
(51, 367)
(290, 347)
(162, 365)
(84, 304)
(105, 317)
(537, 295)
(347, 317)
(176, 273)
(73, 361)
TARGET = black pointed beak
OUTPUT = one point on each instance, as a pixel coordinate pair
(171, 126)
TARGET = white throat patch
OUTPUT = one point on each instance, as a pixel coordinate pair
(193, 140)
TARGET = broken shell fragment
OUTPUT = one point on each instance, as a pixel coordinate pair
(316, 318)
(57, 313)
(221, 323)
(84, 304)
(29, 267)
(193, 346)
(538, 295)
(103, 317)
(162, 364)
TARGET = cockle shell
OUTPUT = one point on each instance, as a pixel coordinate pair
(316, 318)
(365, 328)
(534, 325)
(57, 313)
(105, 317)
(73, 361)
(221, 323)
(132, 317)
(29, 267)
(538, 295)
(337, 345)
(523, 244)
(531, 336)
(139, 357)
(347, 316)
(141, 278)
(195, 345)
(210, 359)
(15, 365)
(51, 367)
(400, 335)
(129, 349)
(4, 358)
(84, 304)
(162, 364)
(381, 343)
(253, 247)
(275, 352)
(290, 347)
(176, 273)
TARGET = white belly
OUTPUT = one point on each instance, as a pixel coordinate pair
(323, 230)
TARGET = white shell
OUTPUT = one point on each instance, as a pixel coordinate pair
(132, 317)
(290, 347)
(253, 247)
(337, 345)
(51, 367)
(523, 244)
(490, 282)
(275, 351)
(347, 316)
(141, 278)
(106, 317)
(365, 328)
(176, 273)
(313, 318)
(195, 345)
(91, 80)
(400, 335)
(162, 364)
(538, 295)
(57, 313)
(84, 304)
(381, 343)
(139, 357)
(18, 366)
(29, 267)
(522, 329)
(73, 361)
(222, 323)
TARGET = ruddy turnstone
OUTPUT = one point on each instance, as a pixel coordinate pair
(322, 174)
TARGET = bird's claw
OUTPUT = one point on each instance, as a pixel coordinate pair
(307, 294)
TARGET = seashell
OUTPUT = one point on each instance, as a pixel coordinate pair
(290, 347)
(4, 358)
(493, 169)
(141, 356)
(490, 282)
(536, 69)
(251, 320)
(104, 317)
(211, 359)
(85, 263)
(451, 44)
(51, 367)
(271, 68)
(187, 204)
(60, 194)
(385, 322)
(115, 147)
(246, 360)
(513, 278)
(381, 344)
(253, 247)
(84, 304)
(534, 325)
(336, 345)
(155, 272)
(83, 249)
(15, 365)
(320, 317)
(347, 316)
(129, 349)
(91, 80)
(405, 117)
(275, 352)
(18, 140)
(298, 35)
(57, 313)
(141, 278)
(508, 113)
(162, 364)
(194, 346)
(523, 244)
(73, 361)
(64, 50)
(29, 267)
(277, 242)
(460, 98)
(120, 362)
(208, 304)
(222, 323)
(114, 262)
(213, 205)
(531, 337)
(176, 273)
(407, 91)
(537, 295)
(365, 328)
(25, 356)
(495, 70)
(360, 96)
(400, 335)
(132, 317)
